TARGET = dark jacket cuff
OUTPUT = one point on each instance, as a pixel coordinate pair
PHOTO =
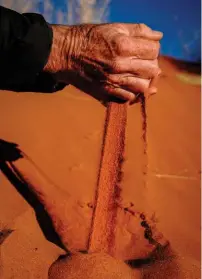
(25, 49)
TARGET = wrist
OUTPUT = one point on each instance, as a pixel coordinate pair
(58, 58)
(67, 51)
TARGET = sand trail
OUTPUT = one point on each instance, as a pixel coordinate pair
(108, 192)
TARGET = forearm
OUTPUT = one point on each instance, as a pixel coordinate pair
(66, 48)
(58, 58)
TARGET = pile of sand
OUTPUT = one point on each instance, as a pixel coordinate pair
(62, 135)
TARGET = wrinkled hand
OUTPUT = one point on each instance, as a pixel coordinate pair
(119, 58)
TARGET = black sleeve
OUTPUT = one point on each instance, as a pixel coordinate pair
(25, 44)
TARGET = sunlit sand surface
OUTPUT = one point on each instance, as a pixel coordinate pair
(62, 134)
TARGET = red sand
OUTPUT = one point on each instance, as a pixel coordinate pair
(62, 134)
(104, 219)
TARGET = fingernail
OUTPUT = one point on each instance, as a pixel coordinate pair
(159, 33)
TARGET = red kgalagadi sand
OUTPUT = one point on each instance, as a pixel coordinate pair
(61, 136)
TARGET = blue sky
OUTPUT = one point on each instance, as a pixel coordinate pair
(179, 20)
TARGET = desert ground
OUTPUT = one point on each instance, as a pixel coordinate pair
(61, 135)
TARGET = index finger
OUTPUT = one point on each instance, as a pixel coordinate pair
(144, 31)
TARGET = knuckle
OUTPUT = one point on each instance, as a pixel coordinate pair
(110, 79)
(144, 85)
(115, 80)
(158, 46)
(121, 45)
(155, 70)
(155, 49)
(156, 63)
(142, 28)
(125, 80)
(118, 25)
(115, 66)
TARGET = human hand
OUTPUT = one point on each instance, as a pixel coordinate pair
(120, 59)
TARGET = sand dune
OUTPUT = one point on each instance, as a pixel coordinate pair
(61, 134)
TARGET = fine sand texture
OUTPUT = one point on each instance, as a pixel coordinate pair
(61, 137)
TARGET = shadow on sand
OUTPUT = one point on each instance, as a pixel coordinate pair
(189, 67)
(9, 152)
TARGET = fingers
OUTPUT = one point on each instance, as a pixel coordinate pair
(120, 93)
(126, 87)
(152, 85)
(144, 49)
(136, 47)
(136, 67)
(144, 31)
(131, 83)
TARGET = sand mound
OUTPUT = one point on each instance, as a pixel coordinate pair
(91, 266)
